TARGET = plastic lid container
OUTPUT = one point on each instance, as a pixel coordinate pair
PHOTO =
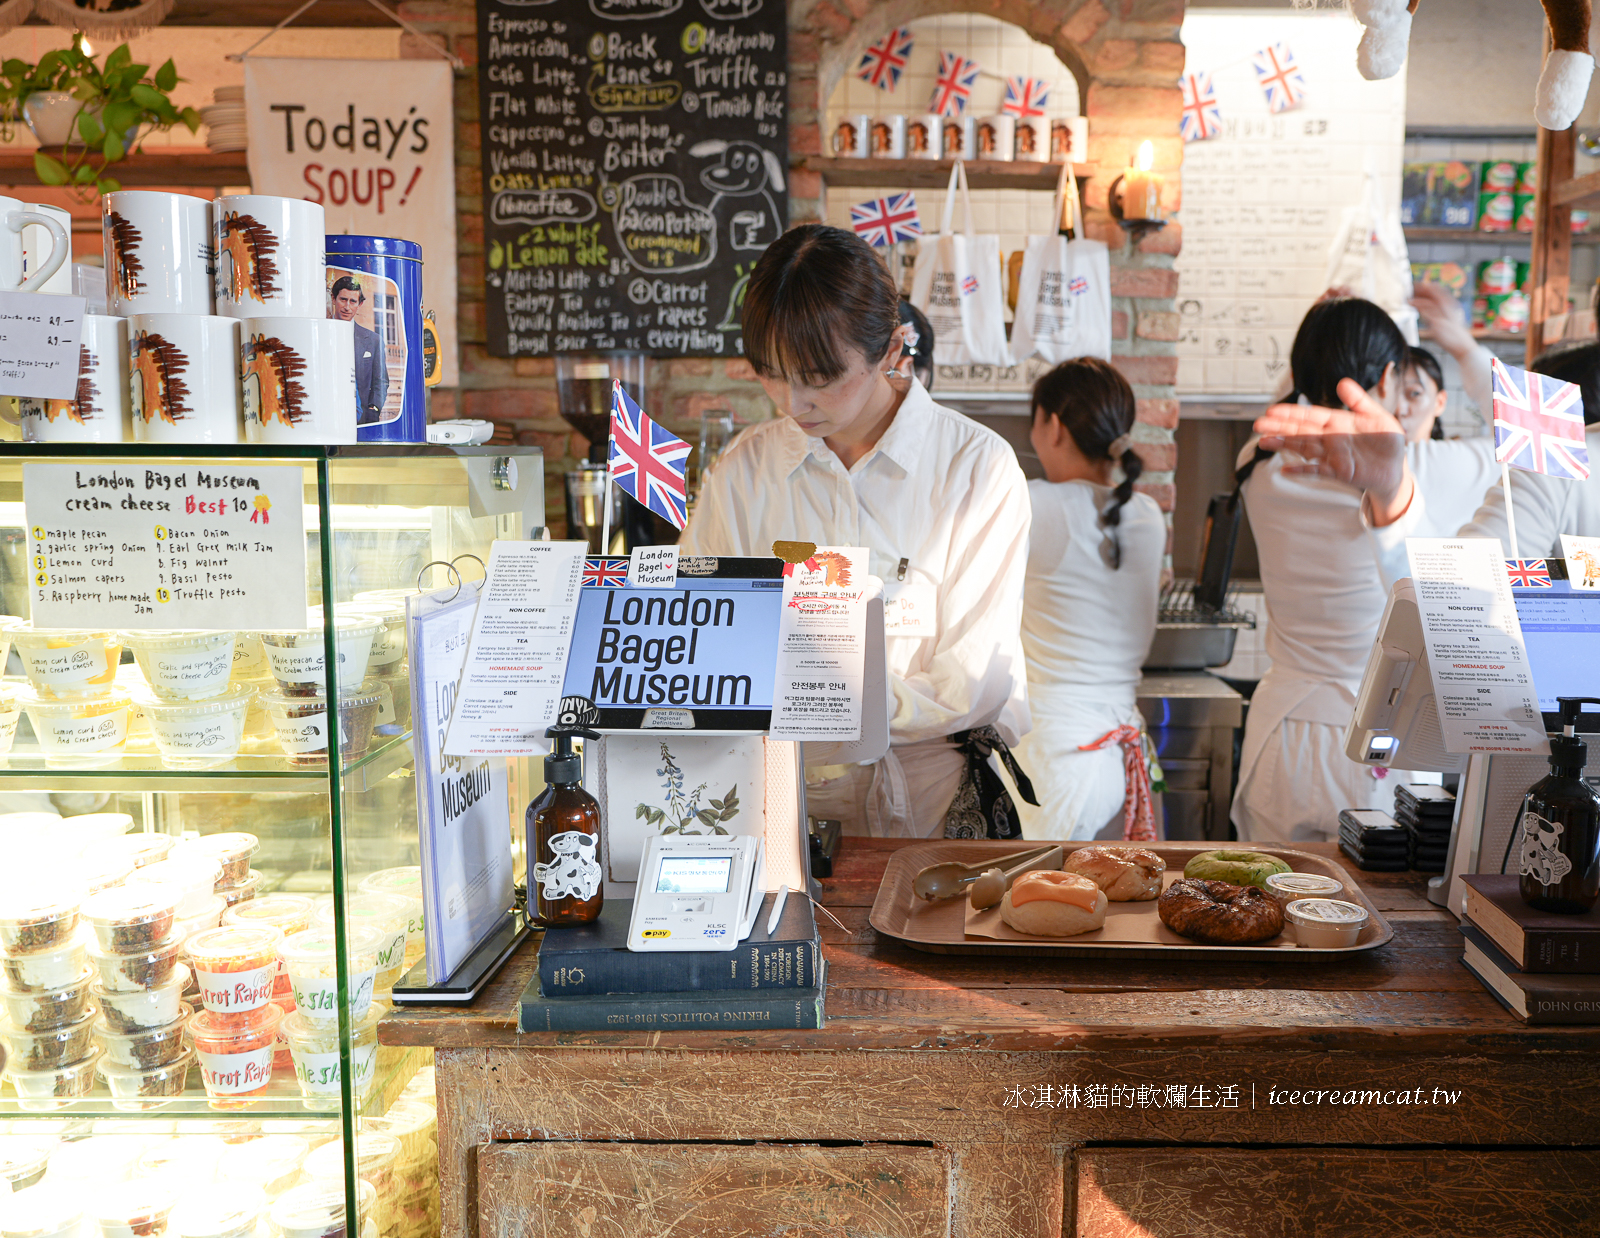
(42, 1009)
(317, 1210)
(244, 891)
(289, 912)
(47, 969)
(54, 1087)
(416, 1126)
(183, 666)
(310, 959)
(270, 1163)
(389, 914)
(210, 917)
(235, 966)
(142, 849)
(231, 850)
(193, 875)
(104, 871)
(22, 1161)
(296, 655)
(135, 1209)
(1286, 887)
(38, 917)
(1325, 923)
(301, 723)
(217, 1213)
(80, 731)
(250, 659)
(235, 1052)
(156, 1046)
(43, 1211)
(314, 1046)
(389, 645)
(51, 1047)
(376, 1155)
(143, 1009)
(133, 1088)
(67, 662)
(199, 734)
(145, 969)
(88, 830)
(132, 918)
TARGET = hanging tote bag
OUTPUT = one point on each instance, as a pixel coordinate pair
(957, 284)
(1064, 293)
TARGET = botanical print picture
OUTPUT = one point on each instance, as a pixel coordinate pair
(667, 782)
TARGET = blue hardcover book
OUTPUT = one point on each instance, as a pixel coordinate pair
(586, 960)
(710, 1010)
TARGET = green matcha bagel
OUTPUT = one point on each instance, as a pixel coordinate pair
(1242, 868)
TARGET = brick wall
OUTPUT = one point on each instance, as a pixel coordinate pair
(1127, 57)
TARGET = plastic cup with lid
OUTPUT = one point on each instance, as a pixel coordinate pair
(310, 957)
(269, 1163)
(40, 1009)
(54, 1086)
(1326, 923)
(87, 731)
(143, 1009)
(235, 966)
(217, 1212)
(42, 1211)
(67, 663)
(141, 849)
(235, 1053)
(183, 666)
(49, 1047)
(317, 1209)
(145, 969)
(390, 914)
(301, 724)
(132, 919)
(23, 1160)
(154, 1046)
(233, 850)
(199, 734)
(135, 1209)
(296, 655)
(145, 1087)
(234, 893)
(314, 1046)
(48, 969)
(194, 876)
(406, 881)
(38, 915)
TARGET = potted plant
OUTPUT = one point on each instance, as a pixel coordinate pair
(94, 114)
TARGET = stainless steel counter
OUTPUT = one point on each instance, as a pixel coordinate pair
(1192, 716)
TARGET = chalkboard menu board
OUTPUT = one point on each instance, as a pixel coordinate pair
(634, 168)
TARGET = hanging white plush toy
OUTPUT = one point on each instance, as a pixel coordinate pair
(1563, 85)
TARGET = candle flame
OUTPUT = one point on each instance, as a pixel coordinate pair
(1147, 155)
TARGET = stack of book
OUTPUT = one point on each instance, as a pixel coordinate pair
(589, 981)
(1543, 967)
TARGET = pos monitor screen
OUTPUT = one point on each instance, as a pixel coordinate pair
(1561, 628)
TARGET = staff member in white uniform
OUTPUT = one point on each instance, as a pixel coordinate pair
(937, 500)
(1094, 584)
(1323, 589)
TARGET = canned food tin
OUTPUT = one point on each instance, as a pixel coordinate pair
(376, 282)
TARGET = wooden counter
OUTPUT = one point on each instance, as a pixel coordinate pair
(990, 1097)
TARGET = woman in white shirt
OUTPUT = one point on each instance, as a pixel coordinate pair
(1324, 593)
(938, 502)
(1094, 582)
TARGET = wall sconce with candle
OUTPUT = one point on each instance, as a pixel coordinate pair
(1137, 208)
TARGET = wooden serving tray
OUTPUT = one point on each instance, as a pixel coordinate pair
(941, 928)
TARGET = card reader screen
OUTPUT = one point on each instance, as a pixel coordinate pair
(694, 874)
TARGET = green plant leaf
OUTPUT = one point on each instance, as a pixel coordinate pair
(113, 148)
(84, 174)
(108, 184)
(167, 76)
(89, 129)
(50, 170)
(120, 117)
(118, 57)
(148, 96)
(191, 118)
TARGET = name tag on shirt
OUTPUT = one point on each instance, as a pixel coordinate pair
(910, 609)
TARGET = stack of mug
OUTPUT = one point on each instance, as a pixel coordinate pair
(1002, 137)
(216, 330)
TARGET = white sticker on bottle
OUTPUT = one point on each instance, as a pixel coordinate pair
(574, 873)
(67, 666)
(229, 992)
(910, 609)
(317, 997)
(308, 733)
(228, 1074)
(319, 1072)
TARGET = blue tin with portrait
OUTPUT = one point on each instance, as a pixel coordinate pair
(376, 282)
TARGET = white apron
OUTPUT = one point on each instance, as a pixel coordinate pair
(1079, 792)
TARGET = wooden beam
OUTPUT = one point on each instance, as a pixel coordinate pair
(1550, 275)
(180, 169)
(1577, 191)
(935, 174)
(268, 13)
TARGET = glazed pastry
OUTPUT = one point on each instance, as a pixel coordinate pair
(1220, 913)
(1240, 868)
(1053, 904)
(1126, 874)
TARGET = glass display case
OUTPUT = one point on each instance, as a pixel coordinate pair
(209, 847)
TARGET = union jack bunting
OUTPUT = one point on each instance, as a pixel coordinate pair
(1538, 423)
(605, 573)
(1529, 573)
(1201, 117)
(648, 461)
(952, 89)
(884, 62)
(1278, 74)
(883, 221)
(969, 285)
(1025, 97)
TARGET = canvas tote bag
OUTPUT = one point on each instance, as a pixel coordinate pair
(957, 284)
(1064, 292)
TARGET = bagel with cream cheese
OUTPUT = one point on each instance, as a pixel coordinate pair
(1240, 868)
(1054, 904)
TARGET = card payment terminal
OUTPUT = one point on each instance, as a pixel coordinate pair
(697, 892)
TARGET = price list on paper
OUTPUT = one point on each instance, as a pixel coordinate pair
(137, 545)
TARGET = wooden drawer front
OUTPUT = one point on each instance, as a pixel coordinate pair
(1312, 1193)
(619, 1190)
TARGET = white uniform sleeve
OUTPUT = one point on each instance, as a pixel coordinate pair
(1475, 381)
(1537, 501)
(711, 529)
(977, 663)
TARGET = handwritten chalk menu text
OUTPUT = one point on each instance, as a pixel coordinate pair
(635, 157)
(135, 545)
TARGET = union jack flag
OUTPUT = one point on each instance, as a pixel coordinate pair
(883, 221)
(953, 87)
(1529, 573)
(1538, 423)
(1202, 117)
(1278, 74)
(1025, 96)
(605, 573)
(648, 461)
(884, 62)
(969, 285)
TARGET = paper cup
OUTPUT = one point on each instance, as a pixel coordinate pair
(98, 412)
(270, 257)
(299, 380)
(183, 375)
(157, 253)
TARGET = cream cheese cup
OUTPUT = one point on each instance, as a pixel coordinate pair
(1287, 887)
(1326, 923)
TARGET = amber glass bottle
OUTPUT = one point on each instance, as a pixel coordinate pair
(564, 844)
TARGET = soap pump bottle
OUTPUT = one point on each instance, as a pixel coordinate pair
(1560, 856)
(563, 824)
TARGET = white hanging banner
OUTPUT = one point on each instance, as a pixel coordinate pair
(373, 142)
